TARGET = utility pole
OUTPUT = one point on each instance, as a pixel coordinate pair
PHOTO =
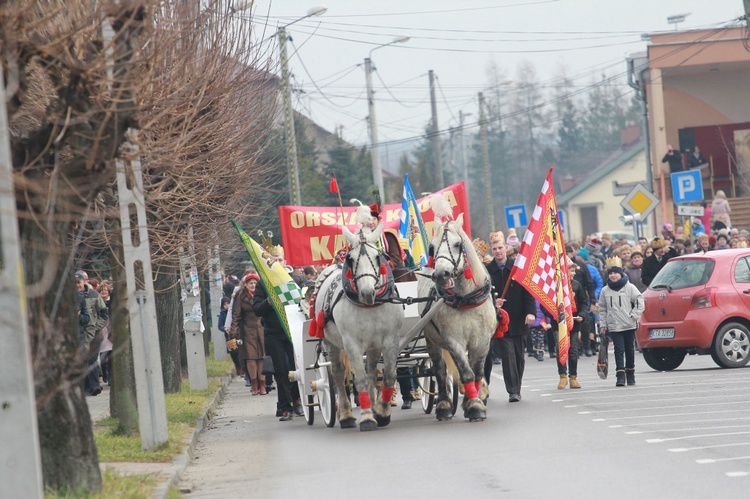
(486, 163)
(291, 139)
(435, 137)
(144, 335)
(462, 145)
(377, 171)
(20, 457)
(214, 276)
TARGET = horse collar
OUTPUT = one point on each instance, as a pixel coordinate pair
(471, 300)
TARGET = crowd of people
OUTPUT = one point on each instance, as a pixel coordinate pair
(607, 278)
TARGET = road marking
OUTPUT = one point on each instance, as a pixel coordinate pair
(673, 415)
(723, 420)
(660, 440)
(737, 473)
(711, 461)
(704, 447)
(620, 409)
(665, 430)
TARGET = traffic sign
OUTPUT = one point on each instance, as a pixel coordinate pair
(640, 200)
(561, 221)
(690, 211)
(515, 216)
(687, 186)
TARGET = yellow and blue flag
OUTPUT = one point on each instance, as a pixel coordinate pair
(411, 227)
(281, 288)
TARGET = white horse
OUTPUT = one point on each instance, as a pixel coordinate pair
(467, 321)
(359, 322)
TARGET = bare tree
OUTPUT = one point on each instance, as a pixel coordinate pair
(199, 94)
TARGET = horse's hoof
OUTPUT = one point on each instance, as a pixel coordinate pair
(368, 425)
(348, 423)
(383, 420)
(475, 414)
(444, 414)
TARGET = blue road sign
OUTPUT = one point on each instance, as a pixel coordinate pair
(561, 221)
(515, 216)
(687, 186)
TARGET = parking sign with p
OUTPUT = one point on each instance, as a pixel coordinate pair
(687, 186)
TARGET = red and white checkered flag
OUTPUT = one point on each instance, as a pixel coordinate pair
(541, 265)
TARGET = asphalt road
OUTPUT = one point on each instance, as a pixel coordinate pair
(682, 434)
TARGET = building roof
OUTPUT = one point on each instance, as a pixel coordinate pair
(608, 166)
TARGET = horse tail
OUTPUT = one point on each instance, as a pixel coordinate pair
(346, 364)
(451, 368)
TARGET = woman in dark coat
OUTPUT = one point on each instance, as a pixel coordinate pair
(249, 329)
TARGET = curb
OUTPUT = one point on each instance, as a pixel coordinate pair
(181, 461)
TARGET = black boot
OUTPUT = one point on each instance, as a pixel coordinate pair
(630, 376)
(620, 378)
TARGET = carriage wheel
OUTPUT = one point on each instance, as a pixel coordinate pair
(327, 397)
(309, 410)
(426, 385)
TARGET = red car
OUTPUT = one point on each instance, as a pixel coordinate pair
(698, 304)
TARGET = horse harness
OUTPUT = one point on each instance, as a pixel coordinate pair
(454, 261)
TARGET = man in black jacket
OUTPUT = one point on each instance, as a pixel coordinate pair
(280, 348)
(521, 308)
(653, 264)
(583, 276)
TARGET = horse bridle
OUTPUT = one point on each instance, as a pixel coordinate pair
(454, 261)
(375, 265)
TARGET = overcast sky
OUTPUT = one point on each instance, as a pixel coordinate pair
(458, 40)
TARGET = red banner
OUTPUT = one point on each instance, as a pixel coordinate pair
(311, 234)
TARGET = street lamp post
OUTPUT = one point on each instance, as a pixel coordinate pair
(289, 135)
(377, 171)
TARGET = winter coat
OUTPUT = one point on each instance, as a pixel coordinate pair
(263, 309)
(247, 327)
(634, 276)
(651, 265)
(222, 320)
(584, 278)
(97, 311)
(519, 302)
(720, 206)
(620, 308)
(674, 160)
(396, 256)
(597, 278)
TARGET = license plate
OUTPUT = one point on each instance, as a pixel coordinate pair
(661, 334)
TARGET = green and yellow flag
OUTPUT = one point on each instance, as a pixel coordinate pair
(281, 288)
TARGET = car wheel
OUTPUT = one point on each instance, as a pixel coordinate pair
(731, 347)
(664, 359)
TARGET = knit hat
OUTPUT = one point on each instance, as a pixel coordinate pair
(80, 276)
(513, 239)
(591, 246)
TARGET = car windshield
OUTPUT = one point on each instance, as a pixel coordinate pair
(678, 274)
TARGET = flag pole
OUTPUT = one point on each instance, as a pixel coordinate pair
(333, 187)
(562, 322)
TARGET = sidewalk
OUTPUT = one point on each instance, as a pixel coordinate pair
(169, 473)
